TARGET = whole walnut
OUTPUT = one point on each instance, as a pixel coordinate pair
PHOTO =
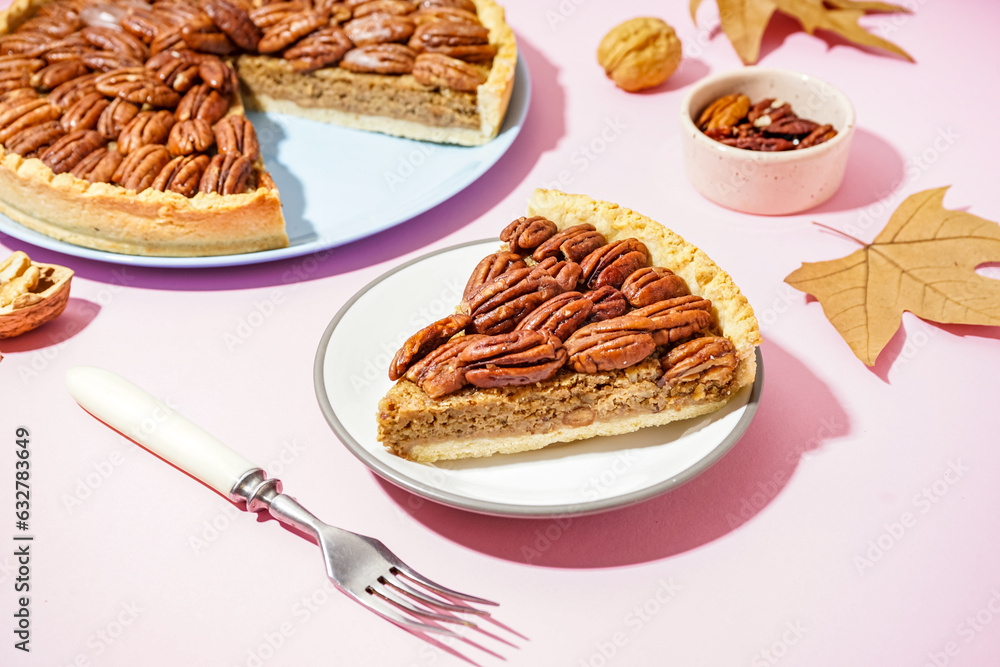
(640, 53)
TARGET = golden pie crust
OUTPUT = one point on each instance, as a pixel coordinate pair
(569, 406)
(153, 223)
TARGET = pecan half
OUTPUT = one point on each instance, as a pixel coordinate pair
(724, 112)
(115, 117)
(58, 25)
(290, 29)
(513, 359)
(458, 39)
(190, 136)
(234, 135)
(227, 175)
(34, 140)
(168, 39)
(441, 372)
(608, 303)
(116, 41)
(525, 234)
(177, 69)
(677, 318)
(614, 263)
(148, 127)
(66, 94)
(380, 59)
(137, 85)
(427, 15)
(562, 315)
(85, 114)
(24, 114)
(466, 5)
(99, 166)
(181, 175)
(379, 29)
(574, 243)
(106, 61)
(202, 35)
(651, 284)
(498, 305)
(272, 13)
(566, 273)
(714, 355)
(142, 23)
(790, 126)
(323, 47)
(58, 73)
(424, 341)
(30, 44)
(235, 22)
(65, 153)
(489, 268)
(394, 7)
(759, 143)
(21, 66)
(821, 134)
(140, 167)
(612, 344)
(217, 74)
(203, 102)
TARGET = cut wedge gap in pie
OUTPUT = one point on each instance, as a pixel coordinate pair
(590, 320)
(122, 124)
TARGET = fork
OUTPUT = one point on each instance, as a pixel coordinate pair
(360, 566)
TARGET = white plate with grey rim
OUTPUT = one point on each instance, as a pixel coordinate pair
(338, 185)
(587, 476)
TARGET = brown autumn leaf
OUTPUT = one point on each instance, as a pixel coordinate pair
(744, 21)
(923, 262)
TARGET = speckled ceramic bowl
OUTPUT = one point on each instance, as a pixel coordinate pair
(777, 183)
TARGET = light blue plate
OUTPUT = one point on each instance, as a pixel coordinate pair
(339, 185)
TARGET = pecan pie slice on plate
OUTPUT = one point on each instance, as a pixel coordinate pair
(590, 320)
(122, 126)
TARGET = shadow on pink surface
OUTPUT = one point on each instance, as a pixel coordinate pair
(798, 413)
(782, 26)
(541, 132)
(78, 314)
(874, 172)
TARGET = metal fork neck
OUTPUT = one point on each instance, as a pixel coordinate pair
(261, 493)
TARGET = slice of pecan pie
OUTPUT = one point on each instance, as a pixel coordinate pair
(590, 320)
(122, 124)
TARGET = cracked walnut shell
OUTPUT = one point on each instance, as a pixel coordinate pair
(31, 294)
(640, 53)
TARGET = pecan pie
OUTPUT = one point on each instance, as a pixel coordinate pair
(590, 320)
(122, 124)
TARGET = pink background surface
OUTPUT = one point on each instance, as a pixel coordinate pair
(791, 550)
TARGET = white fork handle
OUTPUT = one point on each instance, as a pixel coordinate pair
(138, 415)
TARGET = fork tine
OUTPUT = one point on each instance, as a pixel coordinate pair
(398, 584)
(386, 611)
(409, 573)
(376, 589)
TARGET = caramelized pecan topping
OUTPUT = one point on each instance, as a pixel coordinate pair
(182, 175)
(24, 114)
(190, 136)
(379, 29)
(678, 318)
(441, 372)
(562, 315)
(33, 140)
(235, 22)
(711, 355)
(66, 152)
(650, 284)
(573, 243)
(380, 59)
(613, 263)
(234, 135)
(99, 166)
(85, 113)
(424, 341)
(498, 305)
(525, 234)
(147, 127)
(140, 167)
(489, 268)
(612, 344)
(512, 359)
(323, 47)
(227, 175)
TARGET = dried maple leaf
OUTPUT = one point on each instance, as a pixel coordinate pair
(923, 262)
(744, 21)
